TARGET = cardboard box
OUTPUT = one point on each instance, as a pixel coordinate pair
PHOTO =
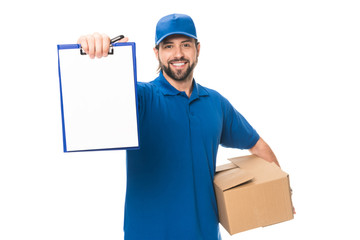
(251, 193)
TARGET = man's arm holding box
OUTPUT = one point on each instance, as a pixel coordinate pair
(263, 150)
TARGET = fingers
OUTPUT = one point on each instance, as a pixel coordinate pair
(91, 44)
(95, 45)
(98, 51)
(84, 44)
(105, 45)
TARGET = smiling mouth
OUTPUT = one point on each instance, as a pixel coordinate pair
(178, 64)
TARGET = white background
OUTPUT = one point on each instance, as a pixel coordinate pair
(290, 67)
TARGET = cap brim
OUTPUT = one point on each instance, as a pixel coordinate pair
(173, 33)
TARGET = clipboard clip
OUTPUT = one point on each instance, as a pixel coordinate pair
(111, 49)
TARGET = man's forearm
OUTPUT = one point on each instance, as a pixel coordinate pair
(263, 150)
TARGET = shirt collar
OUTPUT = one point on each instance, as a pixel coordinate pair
(168, 90)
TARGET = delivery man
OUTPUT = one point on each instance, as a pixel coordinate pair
(170, 194)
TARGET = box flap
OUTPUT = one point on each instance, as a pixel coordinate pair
(262, 170)
(233, 177)
(225, 167)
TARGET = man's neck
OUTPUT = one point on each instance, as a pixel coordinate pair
(185, 85)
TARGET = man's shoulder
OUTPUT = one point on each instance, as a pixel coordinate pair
(209, 91)
(146, 86)
(215, 96)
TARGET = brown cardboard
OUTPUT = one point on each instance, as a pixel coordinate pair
(251, 193)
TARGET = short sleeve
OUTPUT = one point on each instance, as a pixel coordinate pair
(142, 91)
(236, 132)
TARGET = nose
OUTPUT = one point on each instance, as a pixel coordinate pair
(178, 52)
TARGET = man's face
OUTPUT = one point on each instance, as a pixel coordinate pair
(178, 55)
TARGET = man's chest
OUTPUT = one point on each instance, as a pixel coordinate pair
(176, 117)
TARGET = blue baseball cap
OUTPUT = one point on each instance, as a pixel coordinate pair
(175, 24)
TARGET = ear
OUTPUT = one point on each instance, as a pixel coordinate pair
(156, 51)
(198, 49)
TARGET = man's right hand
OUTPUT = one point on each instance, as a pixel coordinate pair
(96, 45)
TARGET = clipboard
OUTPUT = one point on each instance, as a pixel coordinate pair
(98, 99)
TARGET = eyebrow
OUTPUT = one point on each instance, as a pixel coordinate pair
(170, 42)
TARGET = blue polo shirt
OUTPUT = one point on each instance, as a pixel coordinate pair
(170, 194)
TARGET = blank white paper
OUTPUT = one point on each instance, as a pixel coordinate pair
(99, 100)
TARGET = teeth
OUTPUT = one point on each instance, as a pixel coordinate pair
(178, 64)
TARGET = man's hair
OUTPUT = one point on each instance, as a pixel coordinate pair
(157, 47)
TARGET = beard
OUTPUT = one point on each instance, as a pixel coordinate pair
(178, 75)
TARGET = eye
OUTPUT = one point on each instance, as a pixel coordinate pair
(187, 45)
(168, 46)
